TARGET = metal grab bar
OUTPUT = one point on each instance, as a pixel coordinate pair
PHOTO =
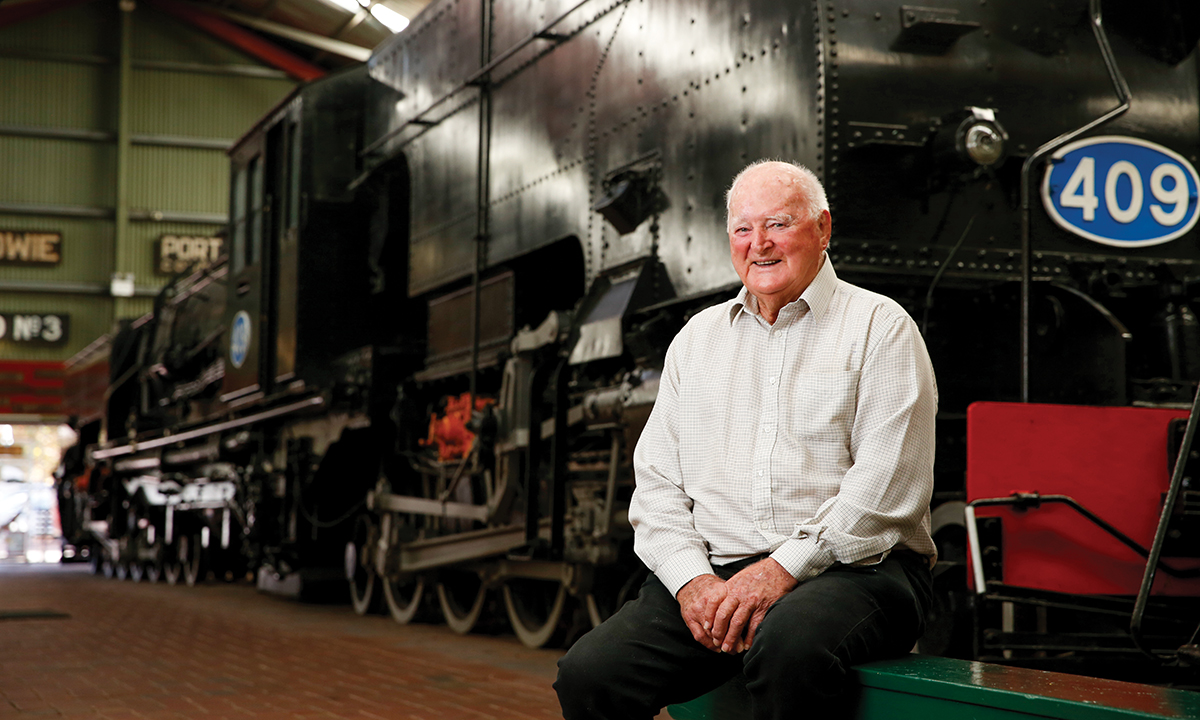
(1122, 89)
(1032, 501)
(1160, 535)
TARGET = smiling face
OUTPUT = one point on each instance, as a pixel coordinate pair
(774, 241)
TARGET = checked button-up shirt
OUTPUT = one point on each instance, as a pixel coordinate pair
(811, 439)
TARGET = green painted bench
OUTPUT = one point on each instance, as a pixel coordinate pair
(922, 687)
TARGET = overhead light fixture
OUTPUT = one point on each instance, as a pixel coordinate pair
(347, 5)
(391, 19)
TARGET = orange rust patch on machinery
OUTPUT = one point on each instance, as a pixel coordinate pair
(449, 431)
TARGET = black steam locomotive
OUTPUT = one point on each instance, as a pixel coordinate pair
(453, 274)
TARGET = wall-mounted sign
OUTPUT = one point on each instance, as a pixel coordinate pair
(1121, 191)
(34, 328)
(177, 253)
(21, 247)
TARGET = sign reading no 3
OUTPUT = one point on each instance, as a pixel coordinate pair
(1121, 191)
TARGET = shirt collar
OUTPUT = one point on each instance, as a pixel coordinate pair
(816, 296)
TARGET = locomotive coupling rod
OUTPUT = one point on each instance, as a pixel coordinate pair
(461, 547)
(207, 430)
(387, 502)
(1122, 89)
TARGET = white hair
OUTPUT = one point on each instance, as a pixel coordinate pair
(810, 187)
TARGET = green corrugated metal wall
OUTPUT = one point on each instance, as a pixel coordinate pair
(61, 72)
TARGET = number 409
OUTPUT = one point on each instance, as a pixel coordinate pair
(1080, 192)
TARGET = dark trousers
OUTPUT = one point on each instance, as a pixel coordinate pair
(644, 657)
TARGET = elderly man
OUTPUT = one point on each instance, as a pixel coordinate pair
(783, 484)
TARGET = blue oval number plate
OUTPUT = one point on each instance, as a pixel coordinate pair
(1121, 191)
(239, 338)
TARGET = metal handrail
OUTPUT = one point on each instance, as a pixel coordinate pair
(542, 33)
(1122, 88)
(1160, 535)
(1032, 501)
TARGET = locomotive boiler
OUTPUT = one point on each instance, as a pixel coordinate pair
(454, 274)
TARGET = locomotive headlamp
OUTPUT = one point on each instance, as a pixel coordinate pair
(984, 144)
(980, 139)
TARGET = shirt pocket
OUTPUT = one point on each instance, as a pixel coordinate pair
(822, 405)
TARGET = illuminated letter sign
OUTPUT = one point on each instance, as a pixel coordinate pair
(34, 328)
(19, 247)
(178, 253)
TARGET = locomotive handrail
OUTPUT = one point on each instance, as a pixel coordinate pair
(542, 33)
(1160, 535)
(207, 430)
(1033, 500)
(1123, 94)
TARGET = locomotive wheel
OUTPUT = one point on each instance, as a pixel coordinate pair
(614, 585)
(189, 558)
(535, 609)
(172, 569)
(359, 570)
(461, 594)
(121, 569)
(154, 568)
(404, 598)
(137, 570)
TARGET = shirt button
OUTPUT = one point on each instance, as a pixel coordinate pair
(771, 381)
(760, 473)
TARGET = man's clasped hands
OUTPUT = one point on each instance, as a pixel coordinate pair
(723, 615)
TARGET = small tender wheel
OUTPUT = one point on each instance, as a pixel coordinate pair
(360, 571)
(189, 552)
(461, 594)
(154, 566)
(535, 609)
(121, 569)
(137, 570)
(172, 569)
(404, 597)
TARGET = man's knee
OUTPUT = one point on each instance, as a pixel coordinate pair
(586, 672)
(795, 659)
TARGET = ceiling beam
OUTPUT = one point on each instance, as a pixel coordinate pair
(320, 42)
(241, 39)
(13, 13)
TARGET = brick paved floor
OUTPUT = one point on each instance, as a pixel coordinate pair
(134, 650)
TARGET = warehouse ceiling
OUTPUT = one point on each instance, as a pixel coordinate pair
(303, 37)
(329, 33)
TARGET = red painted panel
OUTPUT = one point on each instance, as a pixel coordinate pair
(28, 387)
(1112, 460)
